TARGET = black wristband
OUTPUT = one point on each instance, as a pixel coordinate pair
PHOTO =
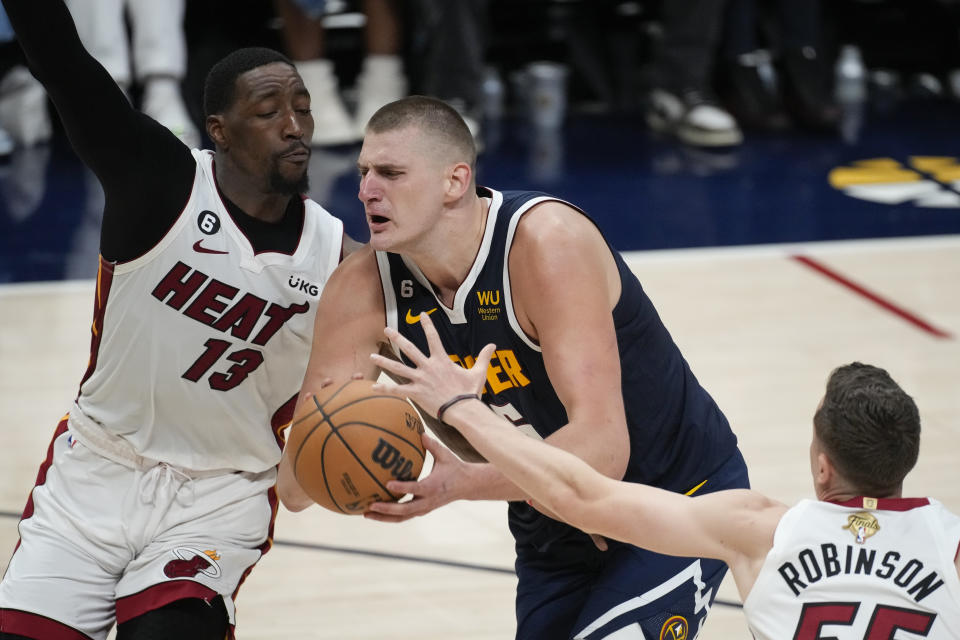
(454, 400)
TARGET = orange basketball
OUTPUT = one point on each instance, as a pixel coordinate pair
(347, 442)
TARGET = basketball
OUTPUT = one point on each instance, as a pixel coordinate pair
(347, 442)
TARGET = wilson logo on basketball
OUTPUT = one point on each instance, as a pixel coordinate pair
(413, 423)
(388, 457)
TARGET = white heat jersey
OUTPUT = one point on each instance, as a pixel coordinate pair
(198, 344)
(866, 569)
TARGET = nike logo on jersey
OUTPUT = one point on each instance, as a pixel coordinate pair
(414, 319)
(199, 248)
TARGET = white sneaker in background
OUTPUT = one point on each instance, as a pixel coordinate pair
(381, 80)
(470, 119)
(953, 81)
(23, 108)
(692, 119)
(163, 102)
(474, 125)
(7, 144)
(331, 122)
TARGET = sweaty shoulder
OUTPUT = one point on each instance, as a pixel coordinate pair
(552, 223)
(558, 251)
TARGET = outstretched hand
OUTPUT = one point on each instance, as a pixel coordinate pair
(434, 378)
(448, 481)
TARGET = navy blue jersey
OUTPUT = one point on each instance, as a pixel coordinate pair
(678, 435)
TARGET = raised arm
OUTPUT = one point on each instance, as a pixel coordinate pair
(145, 170)
(734, 526)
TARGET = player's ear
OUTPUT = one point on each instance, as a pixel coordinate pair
(215, 129)
(824, 473)
(459, 179)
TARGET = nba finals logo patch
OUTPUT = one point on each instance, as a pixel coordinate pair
(862, 525)
(675, 628)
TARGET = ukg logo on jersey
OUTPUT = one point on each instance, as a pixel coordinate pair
(306, 287)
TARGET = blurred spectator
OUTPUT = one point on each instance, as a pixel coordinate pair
(449, 47)
(24, 119)
(681, 102)
(155, 54)
(759, 83)
(381, 78)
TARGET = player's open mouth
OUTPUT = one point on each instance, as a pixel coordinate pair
(379, 219)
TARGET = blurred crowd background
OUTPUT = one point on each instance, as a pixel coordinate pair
(675, 123)
(707, 72)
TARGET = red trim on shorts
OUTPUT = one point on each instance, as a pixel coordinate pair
(160, 595)
(42, 473)
(104, 280)
(282, 418)
(887, 504)
(268, 543)
(32, 625)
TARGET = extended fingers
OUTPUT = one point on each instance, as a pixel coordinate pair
(380, 517)
(435, 447)
(408, 348)
(390, 511)
(481, 365)
(433, 338)
(403, 487)
(393, 366)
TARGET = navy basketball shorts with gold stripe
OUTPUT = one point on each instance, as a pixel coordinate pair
(574, 591)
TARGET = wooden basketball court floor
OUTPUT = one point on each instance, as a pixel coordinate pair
(762, 327)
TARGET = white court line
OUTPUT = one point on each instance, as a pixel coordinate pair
(826, 247)
(46, 288)
(697, 254)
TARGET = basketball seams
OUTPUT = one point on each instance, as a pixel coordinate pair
(394, 434)
(334, 429)
(332, 395)
(363, 466)
(323, 418)
(364, 399)
(322, 413)
(323, 469)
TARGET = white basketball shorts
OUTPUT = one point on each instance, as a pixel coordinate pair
(101, 542)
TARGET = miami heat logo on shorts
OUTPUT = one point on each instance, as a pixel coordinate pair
(190, 562)
(676, 628)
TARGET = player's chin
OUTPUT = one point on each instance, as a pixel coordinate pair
(290, 179)
(381, 240)
(378, 243)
